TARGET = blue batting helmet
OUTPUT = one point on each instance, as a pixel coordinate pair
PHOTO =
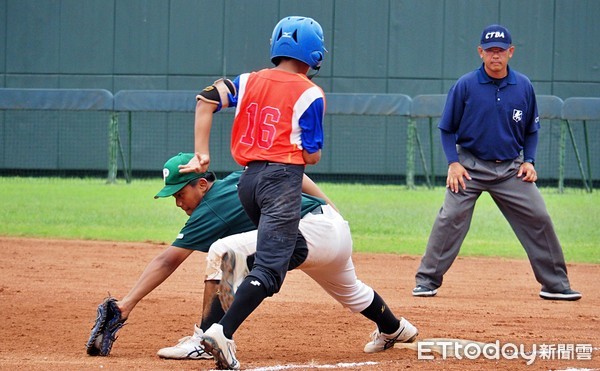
(299, 38)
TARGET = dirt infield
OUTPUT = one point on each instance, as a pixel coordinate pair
(49, 290)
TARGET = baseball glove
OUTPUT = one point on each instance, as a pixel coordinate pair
(103, 334)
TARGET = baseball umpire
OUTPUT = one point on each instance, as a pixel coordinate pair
(489, 133)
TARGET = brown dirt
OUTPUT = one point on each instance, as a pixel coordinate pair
(49, 290)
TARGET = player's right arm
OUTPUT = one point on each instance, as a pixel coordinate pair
(202, 125)
(311, 158)
(210, 100)
(155, 273)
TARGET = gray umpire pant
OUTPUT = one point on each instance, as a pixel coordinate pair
(521, 204)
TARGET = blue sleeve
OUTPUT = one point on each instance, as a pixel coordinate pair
(531, 133)
(311, 123)
(530, 146)
(233, 99)
(450, 120)
(449, 146)
(453, 109)
(534, 117)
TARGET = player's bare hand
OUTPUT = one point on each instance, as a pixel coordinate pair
(456, 177)
(527, 171)
(198, 164)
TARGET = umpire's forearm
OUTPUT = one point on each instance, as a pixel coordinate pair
(449, 146)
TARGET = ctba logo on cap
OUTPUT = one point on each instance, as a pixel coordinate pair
(494, 35)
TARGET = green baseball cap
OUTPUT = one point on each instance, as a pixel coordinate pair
(174, 180)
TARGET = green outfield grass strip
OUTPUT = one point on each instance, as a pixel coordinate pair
(383, 218)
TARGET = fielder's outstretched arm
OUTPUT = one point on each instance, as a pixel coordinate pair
(155, 273)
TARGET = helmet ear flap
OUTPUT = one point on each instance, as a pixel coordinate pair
(317, 57)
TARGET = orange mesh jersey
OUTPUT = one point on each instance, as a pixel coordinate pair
(278, 114)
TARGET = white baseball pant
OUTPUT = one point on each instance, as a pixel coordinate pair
(329, 260)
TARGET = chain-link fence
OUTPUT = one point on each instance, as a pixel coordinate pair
(383, 138)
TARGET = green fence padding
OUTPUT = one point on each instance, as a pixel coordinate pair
(156, 100)
(581, 108)
(56, 99)
(368, 104)
(549, 106)
(428, 105)
(389, 135)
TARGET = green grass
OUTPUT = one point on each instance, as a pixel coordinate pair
(396, 220)
(383, 218)
(87, 209)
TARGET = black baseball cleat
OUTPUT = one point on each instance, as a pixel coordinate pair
(423, 291)
(568, 294)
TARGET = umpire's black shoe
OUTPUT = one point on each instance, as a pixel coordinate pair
(568, 294)
(423, 291)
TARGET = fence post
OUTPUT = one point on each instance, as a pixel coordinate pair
(129, 165)
(577, 157)
(587, 156)
(561, 156)
(410, 154)
(422, 156)
(582, 109)
(427, 106)
(126, 165)
(113, 145)
(431, 157)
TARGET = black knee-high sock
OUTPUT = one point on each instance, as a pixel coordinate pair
(381, 314)
(215, 313)
(247, 298)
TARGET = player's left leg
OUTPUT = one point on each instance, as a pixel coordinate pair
(329, 263)
(522, 205)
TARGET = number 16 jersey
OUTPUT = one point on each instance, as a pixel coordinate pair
(278, 114)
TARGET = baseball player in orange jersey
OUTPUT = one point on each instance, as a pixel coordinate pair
(277, 131)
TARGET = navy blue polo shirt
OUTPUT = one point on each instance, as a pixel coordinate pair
(491, 121)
